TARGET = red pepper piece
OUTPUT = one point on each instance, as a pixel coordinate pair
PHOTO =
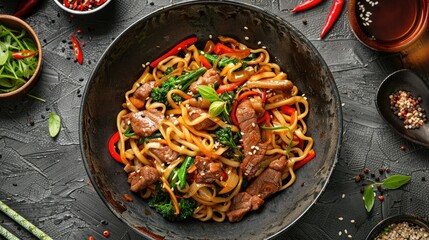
(23, 54)
(300, 144)
(99, 2)
(233, 111)
(66, 3)
(229, 87)
(264, 95)
(205, 62)
(287, 110)
(265, 118)
(26, 8)
(77, 50)
(306, 5)
(111, 146)
(334, 13)
(304, 161)
(219, 49)
(175, 50)
(247, 94)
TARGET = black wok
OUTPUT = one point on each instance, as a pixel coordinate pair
(150, 37)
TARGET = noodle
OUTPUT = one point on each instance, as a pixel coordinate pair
(165, 131)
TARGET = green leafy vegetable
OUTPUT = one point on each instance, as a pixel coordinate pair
(54, 123)
(227, 137)
(392, 182)
(216, 108)
(15, 72)
(129, 132)
(220, 104)
(208, 93)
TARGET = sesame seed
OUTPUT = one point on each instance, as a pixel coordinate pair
(264, 47)
(147, 63)
(259, 43)
(345, 231)
(246, 38)
(210, 36)
(342, 104)
(340, 218)
(340, 233)
(253, 124)
(352, 221)
(343, 196)
(246, 27)
(250, 153)
(349, 236)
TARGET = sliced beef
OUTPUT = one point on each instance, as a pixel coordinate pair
(254, 149)
(142, 178)
(144, 90)
(208, 171)
(210, 77)
(279, 164)
(164, 153)
(194, 113)
(145, 122)
(241, 204)
(267, 183)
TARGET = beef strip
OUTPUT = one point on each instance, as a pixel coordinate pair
(267, 183)
(142, 178)
(208, 171)
(241, 204)
(254, 149)
(164, 153)
(145, 122)
(144, 90)
(210, 77)
(194, 113)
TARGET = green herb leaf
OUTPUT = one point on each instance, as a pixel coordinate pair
(368, 198)
(54, 124)
(216, 108)
(129, 132)
(4, 53)
(396, 181)
(208, 93)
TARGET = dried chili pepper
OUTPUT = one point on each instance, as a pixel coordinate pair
(175, 50)
(77, 50)
(23, 54)
(26, 8)
(334, 13)
(306, 5)
(111, 146)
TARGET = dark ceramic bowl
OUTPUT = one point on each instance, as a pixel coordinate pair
(155, 34)
(396, 219)
(409, 81)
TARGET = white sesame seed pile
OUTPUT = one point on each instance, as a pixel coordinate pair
(408, 109)
(403, 230)
(365, 15)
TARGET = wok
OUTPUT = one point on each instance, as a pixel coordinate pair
(156, 33)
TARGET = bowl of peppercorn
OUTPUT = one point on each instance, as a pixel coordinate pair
(82, 7)
(402, 101)
(404, 226)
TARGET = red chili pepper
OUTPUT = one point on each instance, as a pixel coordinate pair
(334, 13)
(26, 8)
(66, 3)
(229, 87)
(99, 2)
(287, 110)
(265, 117)
(224, 176)
(77, 50)
(264, 95)
(306, 5)
(300, 144)
(175, 50)
(23, 54)
(219, 49)
(304, 161)
(205, 62)
(233, 111)
(247, 94)
(111, 146)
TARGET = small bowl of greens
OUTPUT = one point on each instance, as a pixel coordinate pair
(20, 57)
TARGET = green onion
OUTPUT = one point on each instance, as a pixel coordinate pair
(23, 222)
(8, 235)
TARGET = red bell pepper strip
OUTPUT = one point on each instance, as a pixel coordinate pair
(287, 110)
(112, 150)
(247, 94)
(23, 54)
(304, 161)
(233, 111)
(264, 95)
(77, 50)
(265, 118)
(230, 87)
(220, 49)
(175, 50)
(300, 144)
(205, 62)
(334, 13)
(306, 5)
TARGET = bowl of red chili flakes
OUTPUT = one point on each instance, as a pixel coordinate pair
(82, 7)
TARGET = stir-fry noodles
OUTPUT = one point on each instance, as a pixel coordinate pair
(211, 133)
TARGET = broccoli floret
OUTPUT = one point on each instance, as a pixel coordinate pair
(227, 137)
(182, 83)
(162, 203)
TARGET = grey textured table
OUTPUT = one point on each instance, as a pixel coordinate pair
(44, 179)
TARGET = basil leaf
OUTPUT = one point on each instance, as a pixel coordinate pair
(208, 93)
(216, 108)
(368, 198)
(396, 181)
(4, 53)
(54, 124)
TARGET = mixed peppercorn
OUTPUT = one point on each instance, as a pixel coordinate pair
(408, 109)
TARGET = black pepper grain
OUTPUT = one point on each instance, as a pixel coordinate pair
(423, 179)
(366, 170)
(304, 22)
(377, 179)
(357, 178)
(381, 170)
(104, 222)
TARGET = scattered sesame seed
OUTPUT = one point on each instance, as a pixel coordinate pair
(246, 27)
(342, 104)
(246, 38)
(349, 236)
(210, 36)
(340, 233)
(352, 221)
(345, 231)
(340, 218)
(343, 196)
(259, 42)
